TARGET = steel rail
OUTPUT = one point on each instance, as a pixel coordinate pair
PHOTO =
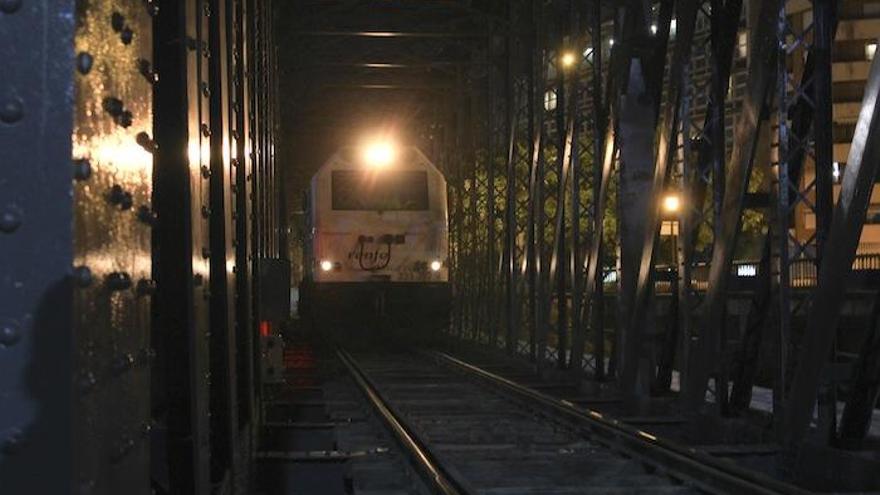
(432, 471)
(688, 464)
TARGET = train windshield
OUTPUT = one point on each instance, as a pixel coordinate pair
(386, 191)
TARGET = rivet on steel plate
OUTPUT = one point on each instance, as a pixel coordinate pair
(125, 119)
(9, 6)
(84, 62)
(116, 194)
(146, 142)
(11, 111)
(117, 281)
(117, 21)
(206, 212)
(206, 130)
(126, 35)
(82, 169)
(113, 106)
(10, 333)
(127, 201)
(10, 219)
(206, 172)
(82, 276)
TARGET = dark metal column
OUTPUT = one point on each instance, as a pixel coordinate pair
(38, 250)
(706, 354)
(843, 239)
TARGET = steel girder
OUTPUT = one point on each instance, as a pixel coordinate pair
(686, 13)
(705, 356)
(838, 255)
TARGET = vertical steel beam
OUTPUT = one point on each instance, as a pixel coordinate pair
(636, 142)
(510, 225)
(224, 420)
(575, 259)
(838, 255)
(686, 13)
(37, 250)
(595, 278)
(763, 54)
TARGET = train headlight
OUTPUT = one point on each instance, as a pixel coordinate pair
(326, 265)
(380, 154)
(436, 265)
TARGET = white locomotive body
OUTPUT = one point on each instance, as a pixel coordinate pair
(378, 236)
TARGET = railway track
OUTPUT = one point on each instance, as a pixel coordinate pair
(321, 437)
(468, 430)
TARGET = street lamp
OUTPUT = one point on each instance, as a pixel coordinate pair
(568, 59)
(671, 203)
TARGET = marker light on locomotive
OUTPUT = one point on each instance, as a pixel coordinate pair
(436, 265)
(326, 265)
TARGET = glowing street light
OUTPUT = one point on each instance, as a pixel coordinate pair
(380, 154)
(568, 59)
(671, 203)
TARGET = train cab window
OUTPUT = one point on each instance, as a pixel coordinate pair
(387, 191)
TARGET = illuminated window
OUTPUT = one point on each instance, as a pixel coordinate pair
(673, 28)
(835, 171)
(550, 100)
(742, 44)
(870, 50)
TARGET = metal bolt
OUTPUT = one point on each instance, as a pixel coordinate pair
(10, 219)
(117, 21)
(206, 253)
(146, 142)
(11, 111)
(125, 119)
(82, 169)
(9, 6)
(116, 194)
(84, 62)
(82, 276)
(206, 212)
(206, 172)
(117, 281)
(127, 201)
(206, 90)
(10, 333)
(126, 35)
(113, 106)
(206, 130)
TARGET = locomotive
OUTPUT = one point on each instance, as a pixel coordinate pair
(377, 240)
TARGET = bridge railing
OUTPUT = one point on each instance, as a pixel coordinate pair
(803, 273)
